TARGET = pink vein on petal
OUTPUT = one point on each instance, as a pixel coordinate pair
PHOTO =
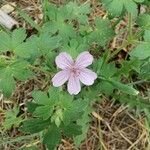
(87, 76)
(84, 59)
(64, 61)
(74, 86)
(60, 78)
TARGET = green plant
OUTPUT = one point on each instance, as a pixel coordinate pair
(54, 113)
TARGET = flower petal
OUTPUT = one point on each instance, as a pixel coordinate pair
(84, 59)
(63, 60)
(60, 78)
(74, 86)
(87, 76)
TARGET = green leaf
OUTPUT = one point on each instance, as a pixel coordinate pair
(24, 50)
(52, 137)
(34, 125)
(139, 1)
(41, 98)
(84, 122)
(18, 36)
(116, 7)
(78, 12)
(5, 42)
(134, 102)
(142, 51)
(131, 7)
(20, 70)
(54, 93)
(129, 65)
(105, 87)
(7, 83)
(31, 107)
(74, 111)
(145, 70)
(147, 35)
(124, 88)
(144, 21)
(102, 33)
(113, 9)
(43, 112)
(11, 119)
(57, 116)
(15, 42)
(76, 46)
(72, 130)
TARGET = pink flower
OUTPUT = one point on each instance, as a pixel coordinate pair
(74, 71)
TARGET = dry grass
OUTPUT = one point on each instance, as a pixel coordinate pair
(114, 127)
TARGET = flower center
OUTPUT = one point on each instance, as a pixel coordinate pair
(75, 71)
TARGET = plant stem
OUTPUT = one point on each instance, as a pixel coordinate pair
(129, 26)
(125, 44)
(129, 39)
(9, 141)
(138, 82)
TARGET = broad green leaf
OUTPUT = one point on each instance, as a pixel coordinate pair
(5, 42)
(134, 102)
(72, 130)
(139, 1)
(131, 7)
(129, 65)
(142, 51)
(105, 87)
(25, 50)
(20, 70)
(58, 17)
(41, 45)
(54, 93)
(145, 70)
(107, 71)
(116, 7)
(31, 106)
(76, 46)
(147, 35)
(15, 42)
(18, 36)
(84, 122)
(7, 83)
(74, 111)
(124, 88)
(11, 119)
(41, 98)
(34, 125)
(57, 116)
(52, 137)
(102, 33)
(43, 111)
(144, 21)
(78, 12)
(115, 10)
